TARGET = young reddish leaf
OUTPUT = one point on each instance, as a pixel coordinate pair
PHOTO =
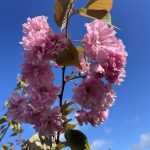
(77, 140)
(68, 57)
(62, 11)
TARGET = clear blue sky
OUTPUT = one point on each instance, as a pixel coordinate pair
(129, 117)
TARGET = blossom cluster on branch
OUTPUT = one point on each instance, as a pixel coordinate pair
(41, 46)
(102, 63)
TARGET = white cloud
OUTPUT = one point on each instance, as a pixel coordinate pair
(100, 144)
(144, 143)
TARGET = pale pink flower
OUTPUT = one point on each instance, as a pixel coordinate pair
(99, 36)
(114, 63)
(42, 96)
(102, 46)
(93, 93)
(49, 121)
(96, 70)
(83, 63)
(40, 42)
(36, 24)
(82, 117)
(43, 45)
(46, 120)
(19, 110)
(37, 75)
(35, 40)
(93, 117)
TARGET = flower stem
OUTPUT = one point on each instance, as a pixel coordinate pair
(63, 69)
(61, 96)
(63, 86)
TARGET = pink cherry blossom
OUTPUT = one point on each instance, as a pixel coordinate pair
(37, 75)
(114, 63)
(46, 120)
(19, 110)
(99, 36)
(40, 42)
(49, 121)
(83, 63)
(92, 117)
(35, 39)
(93, 93)
(36, 24)
(102, 46)
(42, 96)
(96, 70)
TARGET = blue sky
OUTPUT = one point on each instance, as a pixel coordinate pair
(128, 126)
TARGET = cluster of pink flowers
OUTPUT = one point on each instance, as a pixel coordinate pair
(103, 64)
(41, 46)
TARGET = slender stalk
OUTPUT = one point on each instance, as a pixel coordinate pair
(63, 70)
(1, 138)
(63, 86)
(75, 77)
(61, 96)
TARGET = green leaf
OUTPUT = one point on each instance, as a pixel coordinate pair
(68, 111)
(68, 57)
(79, 48)
(62, 145)
(14, 134)
(37, 142)
(5, 104)
(93, 14)
(96, 9)
(2, 127)
(16, 127)
(71, 126)
(107, 18)
(62, 11)
(7, 146)
(66, 105)
(3, 131)
(77, 140)
(3, 119)
(99, 5)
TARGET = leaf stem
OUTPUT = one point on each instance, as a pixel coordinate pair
(75, 77)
